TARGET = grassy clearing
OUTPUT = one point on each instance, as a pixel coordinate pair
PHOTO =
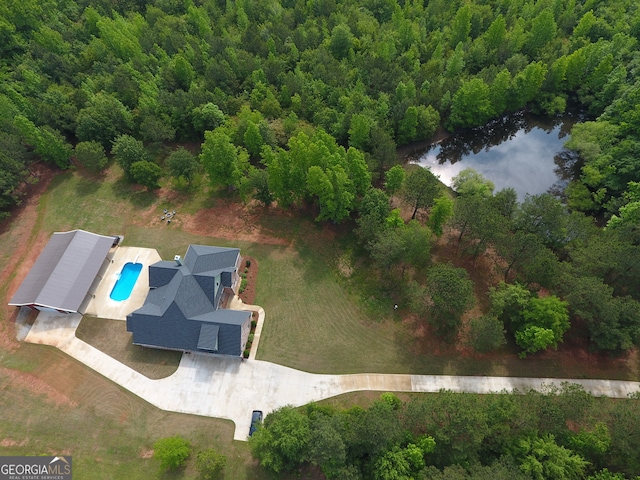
(314, 324)
(111, 337)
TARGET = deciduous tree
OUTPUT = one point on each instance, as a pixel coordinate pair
(471, 104)
(225, 163)
(360, 131)
(13, 170)
(91, 156)
(341, 41)
(207, 117)
(146, 173)
(183, 164)
(420, 189)
(470, 182)
(48, 143)
(327, 448)
(102, 119)
(543, 458)
(127, 151)
(283, 442)
(394, 179)
(541, 324)
(441, 211)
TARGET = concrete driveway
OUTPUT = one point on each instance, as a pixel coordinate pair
(231, 388)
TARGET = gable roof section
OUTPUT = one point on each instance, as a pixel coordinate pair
(201, 259)
(161, 273)
(63, 273)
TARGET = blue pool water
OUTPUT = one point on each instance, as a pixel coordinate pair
(128, 276)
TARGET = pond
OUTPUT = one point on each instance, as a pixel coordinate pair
(519, 151)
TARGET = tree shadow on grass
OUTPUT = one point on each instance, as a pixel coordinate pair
(175, 473)
(59, 179)
(138, 196)
(88, 185)
(315, 264)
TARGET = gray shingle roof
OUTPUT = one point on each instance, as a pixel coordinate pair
(201, 258)
(63, 273)
(181, 308)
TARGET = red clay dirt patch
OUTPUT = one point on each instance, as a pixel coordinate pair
(36, 385)
(231, 221)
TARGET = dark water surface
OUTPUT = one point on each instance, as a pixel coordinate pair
(519, 151)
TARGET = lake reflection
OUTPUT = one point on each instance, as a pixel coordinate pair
(517, 151)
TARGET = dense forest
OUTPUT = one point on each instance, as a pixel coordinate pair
(276, 80)
(562, 433)
(302, 104)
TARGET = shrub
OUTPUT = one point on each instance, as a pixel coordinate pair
(248, 263)
(254, 323)
(250, 339)
(245, 354)
(392, 400)
(172, 452)
(210, 464)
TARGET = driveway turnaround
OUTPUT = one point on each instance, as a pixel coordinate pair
(231, 388)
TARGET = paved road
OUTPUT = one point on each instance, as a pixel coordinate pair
(230, 388)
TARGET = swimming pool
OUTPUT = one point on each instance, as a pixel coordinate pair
(128, 276)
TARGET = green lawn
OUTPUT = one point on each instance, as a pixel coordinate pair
(112, 338)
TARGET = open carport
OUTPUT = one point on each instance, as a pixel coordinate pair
(63, 274)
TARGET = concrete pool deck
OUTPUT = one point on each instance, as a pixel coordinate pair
(104, 307)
